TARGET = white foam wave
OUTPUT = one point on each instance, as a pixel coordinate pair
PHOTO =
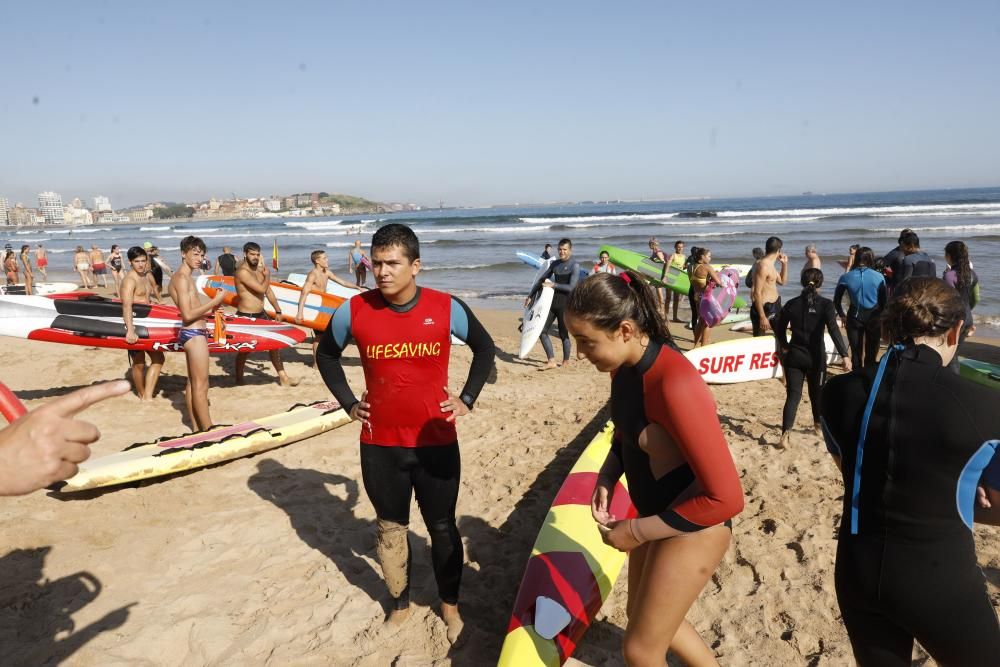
(910, 209)
(160, 228)
(504, 229)
(316, 224)
(959, 228)
(199, 231)
(941, 214)
(600, 218)
(454, 267)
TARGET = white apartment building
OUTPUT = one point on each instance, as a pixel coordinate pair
(140, 215)
(102, 204)
(273, 204)
(51, 207)
(4, 217)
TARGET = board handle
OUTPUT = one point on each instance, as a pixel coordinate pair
(11, 406)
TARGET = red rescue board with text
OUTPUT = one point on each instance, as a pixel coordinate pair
(743, 360)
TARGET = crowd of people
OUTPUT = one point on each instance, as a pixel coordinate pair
(906, 566)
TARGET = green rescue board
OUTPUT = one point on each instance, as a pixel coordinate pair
(981, 372)
(658, 273)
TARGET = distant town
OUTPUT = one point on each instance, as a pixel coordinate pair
(52, 211)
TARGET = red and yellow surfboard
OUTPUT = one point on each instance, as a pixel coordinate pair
(569, 565)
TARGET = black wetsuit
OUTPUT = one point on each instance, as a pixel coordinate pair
(867, 290)
(893, 268)
(227, 263)
(804, 357)
(917, 265)
(906, 559)
(157, 271)
(565, 275)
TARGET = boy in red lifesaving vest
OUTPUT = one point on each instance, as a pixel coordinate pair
(408, 440)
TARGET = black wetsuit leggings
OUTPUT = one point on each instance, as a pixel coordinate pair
(864, 341)
(392, 475)
(794, 378)
(555, 315)
(892, 592)
(693, 303)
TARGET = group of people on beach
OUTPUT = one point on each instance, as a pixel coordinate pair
(906, 565)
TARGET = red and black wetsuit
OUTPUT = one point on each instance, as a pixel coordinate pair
(914, 440)
(665, 389)
(409, 447)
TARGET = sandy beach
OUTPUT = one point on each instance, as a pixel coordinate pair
(271, 559)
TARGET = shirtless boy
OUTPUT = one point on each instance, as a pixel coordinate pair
(316, 281)
(766, 303)
(194, 336)
(138, 287)
(98, 265)
(253, 285)
(42, 261)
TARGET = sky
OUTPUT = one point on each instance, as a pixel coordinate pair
(474, 103)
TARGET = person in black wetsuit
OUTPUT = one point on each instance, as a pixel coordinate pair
(226, 262)
(893, 262)
(913, 441)
(562, 276)
(804, 357)
(916, 263)
(670, 446)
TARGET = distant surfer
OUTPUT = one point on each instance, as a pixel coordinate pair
(138, 287)
(356, 263)
(867, 290)
(564, 273)
(193, 336)
(547, 251)
(253, 285)
(409, 444)
(669, 444)
(317, 280)
(765, 302)
(657, 255)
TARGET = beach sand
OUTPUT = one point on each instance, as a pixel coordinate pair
(271, 559)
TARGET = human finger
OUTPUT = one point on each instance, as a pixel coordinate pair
(65, 470)
(74, 452)
(81, 399)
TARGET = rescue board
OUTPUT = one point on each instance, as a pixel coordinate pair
(318, 310)
(744, 360)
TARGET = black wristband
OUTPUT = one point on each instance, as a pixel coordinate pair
(468, 400)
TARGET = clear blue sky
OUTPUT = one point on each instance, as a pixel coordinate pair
(476, 103)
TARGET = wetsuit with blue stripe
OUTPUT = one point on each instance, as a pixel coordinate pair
(913, 440)
(867, 289)
(408, 447)
(564, 275)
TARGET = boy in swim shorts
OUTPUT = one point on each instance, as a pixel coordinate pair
(193, 337)
(138, 287)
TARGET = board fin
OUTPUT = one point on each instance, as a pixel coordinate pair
(550, 617)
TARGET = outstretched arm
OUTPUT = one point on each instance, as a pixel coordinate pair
(328, 354)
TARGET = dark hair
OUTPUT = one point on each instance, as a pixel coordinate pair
(250, 245)
(25, 248)
(548, 245)
(114, 247)
(566, 242)
(758, 253)
(854, 247)
(606, 300)
(189, 243)
(136, 251)
(773, 244)
(921, 306)
(958, 254)
(316, 254)
(395, 234)
(864, 257)
(812, 280)
(902, 233)
(909, 241)
(677, 243)
(698, 253)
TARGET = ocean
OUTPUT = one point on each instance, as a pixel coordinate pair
(471, 252)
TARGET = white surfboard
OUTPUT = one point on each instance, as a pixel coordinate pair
(744, 360)
(534, 320)
(40, 289)
(299, 279)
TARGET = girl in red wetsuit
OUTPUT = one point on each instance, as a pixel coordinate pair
(669, 444)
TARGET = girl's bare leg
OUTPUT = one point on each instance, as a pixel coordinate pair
(674, 573)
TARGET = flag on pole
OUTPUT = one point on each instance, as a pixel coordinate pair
(274, 256)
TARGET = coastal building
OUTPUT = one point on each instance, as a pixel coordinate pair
(77, 216)
(112, 218)
(101, 204)
(20, 216)
(303, 200)
(4, 217)
(76, 203)
(213, 204)
(289, 202)
(334, 208)
(140, 215)
(51, 206)
(273, 204)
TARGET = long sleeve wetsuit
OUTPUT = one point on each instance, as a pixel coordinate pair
(664, 388)
(913, 440)
(868, 292)
(565, 275)
(804, 357)
(407, 445)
